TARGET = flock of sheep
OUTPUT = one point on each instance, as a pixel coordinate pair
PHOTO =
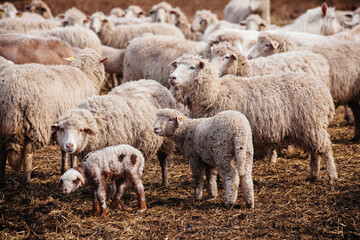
(220, 91)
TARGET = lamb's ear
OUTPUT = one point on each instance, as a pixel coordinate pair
(324, 9)
(174, 12)
(103, 59)
(349, 15)
(173, 64)
(201, 64)
(274, 44)
(61, 16)
(89, 131)
(60, 183)
(179, 120)
(262, 25)
(55, 128)
(141, 13)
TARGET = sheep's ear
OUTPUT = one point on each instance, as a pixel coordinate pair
(141, 13)
(201, 64)
(103, 59)
(19, 14)
(81, 181)
(55, 128)
(324, 9)
(233, 56)
(61, 16)
(173, 64)
(274, 44)
(69, 59)
(174, 12)
(242, 23)
(105, 21)
(262, 25)
(86, 21)
(60, 183)
(349, 15)
(89, 131)
(179, 120)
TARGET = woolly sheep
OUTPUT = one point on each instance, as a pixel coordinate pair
(203, 19)
(76, 36)
(257, 23)
(39, 7)
(24, 25)
(134, 11)
(343, 17)
(123, 164)
(283, 109)
(9, 10)
(23, 48)
(115, 64)
(118, 36)
(238, 10)
(182, 22)
(161, 13)
(4, 63)
(222, 142)
(74, 17)
(33, 96)
(124, 116)
(220, 25)
(355, 19)
(117, 12)
(148, 57)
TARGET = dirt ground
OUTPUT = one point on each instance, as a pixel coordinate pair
(286, 206)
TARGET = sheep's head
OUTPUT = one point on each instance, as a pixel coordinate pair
(134, 11)
(39, 7)
(330, 24)
(161, 13)
(167, 122)
(202, 20)
(254, 22)
(265, 46)
(74, 130)
(71, 180)
(117, 12)
(98, 19)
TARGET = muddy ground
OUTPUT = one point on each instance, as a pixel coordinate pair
(286, 206)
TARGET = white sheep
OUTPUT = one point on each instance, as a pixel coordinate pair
(74, 17)
(124, 116)
(283, 109)
(33, 96)
(115, 63)
(238, 10)
(4, 63)
(117, 12)
(118, 36)
(257, 23)
(39, 7)
(220, 25)
(9, 10)
(355, 18)
(134, 11)
(203, 19)
(25, 25)
(161, 12)
(182, 22)
(148, 57)
(123, 164)
(222, 142)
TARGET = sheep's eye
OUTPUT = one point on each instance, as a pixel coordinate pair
(202, 21)
(61, 129)
(267, 45)
(192, 68)
(227, 57)
(170, 120)
(76, 181)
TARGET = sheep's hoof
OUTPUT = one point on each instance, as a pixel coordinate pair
(142, 210)
(249, 205)
(311, 179)
(229, 205)
(95, 212)
(332, 182)
(115, 204)
(355, 139)
(104, 212)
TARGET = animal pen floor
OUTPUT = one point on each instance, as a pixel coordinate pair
(286, 206)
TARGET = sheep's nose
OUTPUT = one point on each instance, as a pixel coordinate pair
(69, 145)
(172, 79)
(192, 29)
(249, 57)
(66, 190)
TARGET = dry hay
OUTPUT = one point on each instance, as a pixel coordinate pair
(286, 206)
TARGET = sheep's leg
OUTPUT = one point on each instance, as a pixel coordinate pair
(119, 189)
(139, 188)
(230, 174)
(355, 107)
(162, 156)
(314, 167)
(197, 171)
(96, 205)
(272, 155)
(330, 166)
(211, 175)
(2, 170)
(349, 117)
(64, 161)
(27, 161)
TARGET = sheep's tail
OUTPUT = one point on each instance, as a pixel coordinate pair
(240, 154)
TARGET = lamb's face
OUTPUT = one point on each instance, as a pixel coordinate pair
(72, 138)
(166, 126)
(71, 180)
(184, 73)
(264, 47)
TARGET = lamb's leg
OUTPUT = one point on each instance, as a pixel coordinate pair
(101, 195)
(229, 172)
(197, 171)
(211, 175)
(27, 161)
(96, 205)
(120, 187)
(314, 167)
(2, 170)
(139, 188)
(355, 107)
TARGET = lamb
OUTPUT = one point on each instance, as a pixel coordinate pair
(220, 25)
(123, 164)
(124, 116)
(76, 36)
(238, 10)
(222, 142)
(343, 17)
(33, 96)
(284, 109)
(257, 23)
(118, 36)
(22, 26)
(134, 11)
(4, 63)
(23, 48)
(148, 57)
(39, 7)
(231, 61)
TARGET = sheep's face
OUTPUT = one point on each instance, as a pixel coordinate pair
(264, 47)
(38, 7)
(97, 20)
(229, 64)
(71, 180)
(199, 24)
(184, 73)
(159, 15)
(329, 23)
(134, 12)
(166, 126)
(71, 138)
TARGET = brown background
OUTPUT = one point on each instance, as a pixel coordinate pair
(280, 9)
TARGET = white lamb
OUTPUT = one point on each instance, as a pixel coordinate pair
(123, 164)
(283, 109)
(222, 142)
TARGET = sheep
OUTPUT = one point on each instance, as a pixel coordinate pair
(238, 10)
(24, 25)
(220, 25)
(4, 63)
(319, 20)
(283, 109)
(76, 36)
(222, 142)
(9, 10)
(123, 164)
(182, 22)
(343, 17)
(161, 13)
(117, 12)
(118, 36)
(355, 19)
(123, 116)
(23, 48)
(231, 61)
(134, 11)
(257, 23)
(33, 96)
(39, 7)
(28, 15)
(203, 19)
(74, 17)
(115, 64)
(148, 57)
